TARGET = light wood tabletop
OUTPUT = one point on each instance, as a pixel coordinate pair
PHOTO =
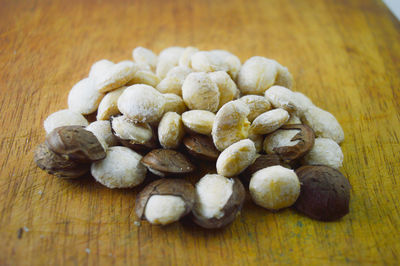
(344, 55)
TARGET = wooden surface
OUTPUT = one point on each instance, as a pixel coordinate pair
(345, 55)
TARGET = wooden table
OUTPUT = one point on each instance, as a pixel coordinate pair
(345, 55)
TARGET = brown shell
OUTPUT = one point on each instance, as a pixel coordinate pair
(201, 146)
(168, 161)
(325, 193)
(230, 210)
(173, 187)
(75, 142)
(306, 139)
(263, 161)
(58, 165)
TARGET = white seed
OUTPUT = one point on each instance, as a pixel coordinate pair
(116, 76)
(274, 187)
(231, 124)
(174, 103)
(173, 82)
(236, 158)
(64, 118)
(199, 121)
(83, 97)
(257, 75)
(216, 60)
(170, 130)
(126, 129)
(212, 193)
(109, 104)
(100, 68)
(185, 59)
(279, 138)
(284, 78)
(269, 121)
(227, 88)
(145, 56)
(144, 77)
(293, 102)
(258, 141)
(142, 103)
(257, 105)
(164, 209)
(200, 92)
(325, 152)
(323, 123)
(120, 169)
(168, 59)
(102, 130)
(294, 119)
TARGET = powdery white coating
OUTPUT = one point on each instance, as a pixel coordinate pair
(199, 121)
(170, 130)
(323, 123)
(120, 169)
(269, 121)
(257, 75)
(142, 103)
(212, 193)
(294, 119)
(64, 117)
(145, 56)
(83, 97)
(274, 187)
(174, 103)
(125, 128)
(116, 76)
(100, 68)
(143, 76)
(173, 82)
(109, 104)
(185, 59)
(257, 105)
(284, 77)
(236, 158)
(216, 60)
(164, 209)
(227, 88)
(168, 59)
(102, 130)
(282, 97)
(325, 152)
(200, 92)
(231, 124)
(279, 138)
(258, 141)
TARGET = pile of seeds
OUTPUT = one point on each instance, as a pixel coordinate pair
(160, 114)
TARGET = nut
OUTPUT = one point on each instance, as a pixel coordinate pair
(201, 147)
(165, 201)
(231, 124)
(58, 165)
(100, 68)
(116, 76)
(325, 152)
(143, 76)
(257, 75)
(199, 121)
(145, 56)
(173, 82)
(76, 143)
(164, 162)
(293, 102)
(236, 158)
(269, 121)
(170, 130)
(227, 88)
(284, 78)
(323, 123)
(109, 104)
(325, 193)
(200, 92)
(274, 187)
(102, 130)
(258, 141)
(185, 59)
(218, 201)
(120, 169)
(142, 103)
(64, 118)
(168, 59)
(174, 103)
(83, 97)
(257, 105)
(294, 119)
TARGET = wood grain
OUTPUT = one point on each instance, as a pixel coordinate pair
(345, 55)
